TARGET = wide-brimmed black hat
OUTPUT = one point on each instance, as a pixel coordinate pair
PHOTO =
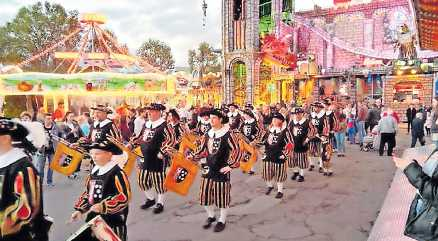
(233, 104)
(317, 104)
(204, 112)
(279, 116)
(219, 113)
(249, 113)
(102, 108)
(16, 130)
(249, 106)
(298, 110)
(174, 113)
(156, 106)
(106, 146)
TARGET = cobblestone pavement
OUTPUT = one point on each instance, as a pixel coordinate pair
(338, 208)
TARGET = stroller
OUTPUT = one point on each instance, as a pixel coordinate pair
(367, 143)
(371, 141)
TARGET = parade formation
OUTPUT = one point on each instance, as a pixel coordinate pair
(277, 103)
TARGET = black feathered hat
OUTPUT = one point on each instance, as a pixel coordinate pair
(14, 129)
(249, 113)
(156, 106)
(279, 116)
(102, 108)
(220, 114)
(174, 114)
(106, 146)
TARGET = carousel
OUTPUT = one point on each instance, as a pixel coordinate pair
(99, 70)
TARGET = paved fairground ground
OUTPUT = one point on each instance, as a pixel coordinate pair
(343, 207)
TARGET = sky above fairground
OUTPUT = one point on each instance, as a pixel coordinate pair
(177, 22)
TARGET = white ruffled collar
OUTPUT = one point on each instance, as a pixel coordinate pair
(320, 114)
(102, 123)
(218, 133)
(277, 129)
(11, 156)
(300, 122)
(233, 114)
(250, 121)
(205, 122)
(328, 112)
(105, 168)
(154, 124)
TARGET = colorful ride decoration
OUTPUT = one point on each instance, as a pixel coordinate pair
(427, 23)
(86, 84)
(276, 52)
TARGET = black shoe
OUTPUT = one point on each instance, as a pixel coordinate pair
(279, 195)
(148, 204)
(330, 174)
(311, 168)
(208, 223)
(325, 174)
(269, 190)
(294, 176)
(220, 226)
(251, 173)
(321, 170)
(158, 208)
(300, 178)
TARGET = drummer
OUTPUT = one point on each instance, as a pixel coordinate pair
(107, 191)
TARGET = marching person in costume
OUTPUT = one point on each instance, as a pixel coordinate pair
(218, 154)
(319, 133)
(107, 190)
(203, 125)
(178, 127)
(157, 140)
(278, 147)
(299, 128)
(21, 203)
(234, 116)
(333, 122)
(103, 126)
(251, 131)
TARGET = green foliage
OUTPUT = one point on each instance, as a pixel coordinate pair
(33, 29)
(204, 59)
(157, 53)
(14, 105)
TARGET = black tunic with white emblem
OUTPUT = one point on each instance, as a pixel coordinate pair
(300, 131)
(155, 141)
(100, 131)
(111, 189)
(276, 141)
(250, 129)
(218, 149)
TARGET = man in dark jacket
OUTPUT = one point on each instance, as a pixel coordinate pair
(418, 130)
(373, 116)
(410, 115)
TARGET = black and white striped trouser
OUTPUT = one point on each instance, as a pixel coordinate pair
(215, 192)
(276, 171)
(150, 179)
(300, 160)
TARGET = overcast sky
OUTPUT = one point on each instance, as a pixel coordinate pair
(177, 22)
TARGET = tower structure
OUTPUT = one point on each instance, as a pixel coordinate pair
(243, 24)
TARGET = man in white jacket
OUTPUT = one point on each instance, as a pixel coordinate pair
(388, 128)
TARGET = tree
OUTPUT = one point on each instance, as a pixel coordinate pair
(204, 59)
(157, 54)
(34, 29)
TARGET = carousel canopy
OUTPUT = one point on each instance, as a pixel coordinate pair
(427, 22)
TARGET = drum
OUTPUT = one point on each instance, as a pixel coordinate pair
(66, 159)
(181, 175)
(95, 229)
